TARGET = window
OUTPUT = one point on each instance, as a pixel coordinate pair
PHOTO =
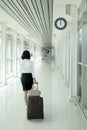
(0, 57)
(80, 46)
(79, 64)
(18, 52)
(0, 54)
(26, 45)
(9, 52)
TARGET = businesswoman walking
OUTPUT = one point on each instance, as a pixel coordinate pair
(27, 73)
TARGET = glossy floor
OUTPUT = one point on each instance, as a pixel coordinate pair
(59, 113)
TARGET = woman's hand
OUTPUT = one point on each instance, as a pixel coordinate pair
(34, 81)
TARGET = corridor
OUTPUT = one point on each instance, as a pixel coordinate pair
(59, 112)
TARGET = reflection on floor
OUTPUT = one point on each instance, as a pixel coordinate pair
(60, 114)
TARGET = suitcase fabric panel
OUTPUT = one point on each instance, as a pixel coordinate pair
(35, 108)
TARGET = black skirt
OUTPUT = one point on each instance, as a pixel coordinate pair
(27, 81)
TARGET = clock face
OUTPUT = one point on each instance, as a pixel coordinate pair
(60, 23)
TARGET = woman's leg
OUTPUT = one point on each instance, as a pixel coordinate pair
(25, 97)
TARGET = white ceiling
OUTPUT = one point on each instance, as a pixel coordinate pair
(64, 2)
(35, 16)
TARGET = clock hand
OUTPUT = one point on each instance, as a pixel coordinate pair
(60, 22)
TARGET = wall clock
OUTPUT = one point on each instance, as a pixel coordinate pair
(60, 23)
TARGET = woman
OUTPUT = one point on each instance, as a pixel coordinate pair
(27, 73)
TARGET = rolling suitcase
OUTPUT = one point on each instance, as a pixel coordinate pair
(35, 108)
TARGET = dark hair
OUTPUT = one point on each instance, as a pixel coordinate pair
(25, 55)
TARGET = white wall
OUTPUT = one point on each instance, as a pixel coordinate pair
(65, 42)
